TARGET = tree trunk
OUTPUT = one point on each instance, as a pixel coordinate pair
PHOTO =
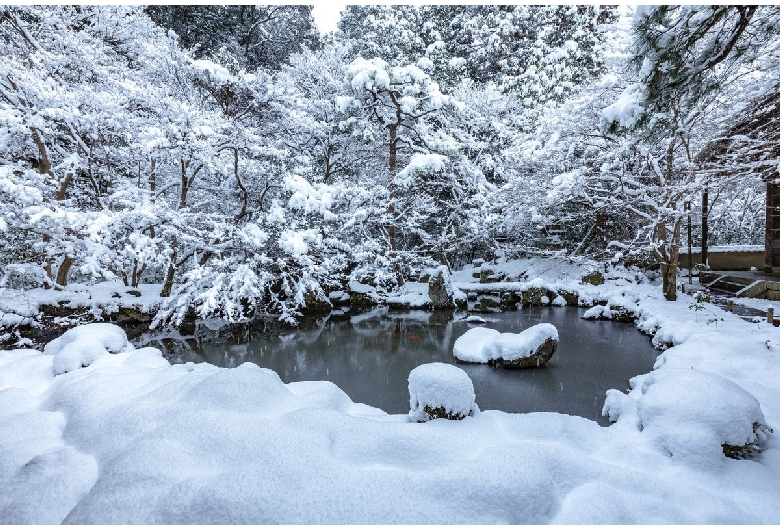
(152, 190)
(668, 256)
(391, 207)
(595, 230)
(62, 272)
(44, 166)
(168, 283)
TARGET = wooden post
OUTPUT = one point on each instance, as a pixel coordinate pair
(730, 305)
(770, 315)
(690, 243)
(705, 231)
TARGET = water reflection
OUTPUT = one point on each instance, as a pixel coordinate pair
(370, 356)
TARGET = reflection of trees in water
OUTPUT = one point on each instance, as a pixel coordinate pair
(178, 350)
(373, 344)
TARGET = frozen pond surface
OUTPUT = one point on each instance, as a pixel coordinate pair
(370, 356)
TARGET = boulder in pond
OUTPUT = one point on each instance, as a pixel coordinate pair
(440, 289)
(439, 390)
(530, 348)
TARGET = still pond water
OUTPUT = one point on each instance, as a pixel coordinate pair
(370, 356)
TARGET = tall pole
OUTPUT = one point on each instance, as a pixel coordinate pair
(690, 243)
(705, 231)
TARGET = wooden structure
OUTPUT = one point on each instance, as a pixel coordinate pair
(751, 149)
(772, 239)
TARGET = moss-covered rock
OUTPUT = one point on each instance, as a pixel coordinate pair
(315, 302)
(509, 301)
(490, 276)
(440, 289)
(488, 305)
(60, 309)
(621, 314)
(537, 296)
(131, 314)
(361, 301)
(571, 297)
(593, 278)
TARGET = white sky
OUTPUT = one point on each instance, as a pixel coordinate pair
(326, 15)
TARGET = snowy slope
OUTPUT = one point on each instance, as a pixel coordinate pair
(132, 439)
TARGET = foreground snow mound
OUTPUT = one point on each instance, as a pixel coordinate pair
(693, 416)
(531, 347)
(438, 390)
(81, 346)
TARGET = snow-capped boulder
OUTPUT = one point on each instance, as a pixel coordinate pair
(362, 296)
(594, 277)
(469, 346)
(698, 416)
(438, 390)
(81, 346)
(111, 336)
(598, 312)
(440, 289)
(531, 348)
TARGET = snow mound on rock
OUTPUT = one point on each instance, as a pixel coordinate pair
(111, 336)
(513, 346)
(81, 346)
(690, 414)
(481, 345)
(440, 386)
(469, 346)
(598, 312)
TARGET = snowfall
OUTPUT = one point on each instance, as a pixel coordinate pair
(94, 430)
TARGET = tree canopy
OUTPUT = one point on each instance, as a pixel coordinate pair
(247, 165)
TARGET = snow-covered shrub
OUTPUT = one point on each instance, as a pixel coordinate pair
(438, 390)
(22, 276)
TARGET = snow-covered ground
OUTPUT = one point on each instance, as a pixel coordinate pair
(131, 439)
(101, 301)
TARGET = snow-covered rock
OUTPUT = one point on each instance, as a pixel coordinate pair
(692, 416)
(469, 346)
(438, 390)
(440, 289)
(530, 348)
(81, 346)
(598, 312)
(110, 336)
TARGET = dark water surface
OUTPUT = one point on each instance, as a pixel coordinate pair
(370, 356)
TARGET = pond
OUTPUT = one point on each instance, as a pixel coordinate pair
(370, 356)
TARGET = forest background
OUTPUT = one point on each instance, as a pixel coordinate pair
(250, 165)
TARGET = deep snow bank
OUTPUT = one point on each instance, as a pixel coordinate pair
(132, 439)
